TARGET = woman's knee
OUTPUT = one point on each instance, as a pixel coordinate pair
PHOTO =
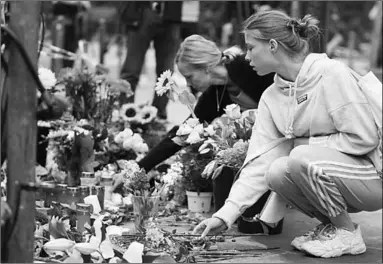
(274, 176)
(298, 159)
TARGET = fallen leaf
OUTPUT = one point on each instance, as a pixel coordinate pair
(134, 253)
(106, 249)
(115, 260)
(75, 257)
(86, 248)
(114, 230)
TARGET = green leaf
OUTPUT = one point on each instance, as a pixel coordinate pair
(57, 228)
(186, 98)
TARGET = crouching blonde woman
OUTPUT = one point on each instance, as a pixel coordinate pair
(316, 139)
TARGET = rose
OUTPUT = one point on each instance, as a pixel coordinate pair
(210, 130)
(233, 111)
(199, 129)
(193, 138)
(47, 78)
(192, 122)
(184, 130)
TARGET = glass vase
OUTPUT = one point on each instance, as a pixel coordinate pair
(143, 209)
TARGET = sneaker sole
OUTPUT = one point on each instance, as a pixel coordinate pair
(338, 253)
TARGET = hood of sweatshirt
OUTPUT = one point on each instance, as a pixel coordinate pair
(308, 76)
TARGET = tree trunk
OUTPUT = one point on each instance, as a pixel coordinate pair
(21, 116)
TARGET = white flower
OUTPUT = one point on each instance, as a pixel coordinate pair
(56, 134)
(82, 122)
(184, 130)
(119, 138)
(193, 138)
(137, 138)
(233, 111)
(192, 122)
(199, 129)
(128, 166)
(128, 143)
(47, 78)
(248, 117)
(177, 167)
(127, 133)
(115, 115)
(128, 112)
(70, 135)
(164, 83)
(80, 130)
(140, 147)
(210, 130)
(41, 123)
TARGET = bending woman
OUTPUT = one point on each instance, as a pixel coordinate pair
(223, 79)
(318, 139)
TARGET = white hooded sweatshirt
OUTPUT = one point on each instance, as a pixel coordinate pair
(324, 104)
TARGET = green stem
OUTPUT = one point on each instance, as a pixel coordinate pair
(99, 252)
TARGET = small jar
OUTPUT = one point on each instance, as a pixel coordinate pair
(87, 178)
(47, 193)
(100, 192)
(84, 192)
(62, 195)
(83, 215)
(107, 182)
(73, 195)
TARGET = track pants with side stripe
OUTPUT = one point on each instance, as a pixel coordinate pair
(323, 182)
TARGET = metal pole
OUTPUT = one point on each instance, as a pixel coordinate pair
(21, 116)
(295, 9)
(376, 39)
(58, 41)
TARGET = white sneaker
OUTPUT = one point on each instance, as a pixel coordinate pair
(333, 242)
(310, 235)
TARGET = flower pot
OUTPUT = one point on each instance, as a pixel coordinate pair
(143, 209)
(199, 202)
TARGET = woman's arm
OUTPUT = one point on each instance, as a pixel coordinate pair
(251, 184)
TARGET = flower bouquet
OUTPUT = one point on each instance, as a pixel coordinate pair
(172, 179)
(94, 96)
(71, 146)
(141, 118)
(145, 199)
(229, 143)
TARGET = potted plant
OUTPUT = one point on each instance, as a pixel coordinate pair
(198, 189)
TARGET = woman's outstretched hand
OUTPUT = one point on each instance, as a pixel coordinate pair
(211, 225)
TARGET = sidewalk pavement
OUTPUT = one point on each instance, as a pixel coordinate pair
(296, 224)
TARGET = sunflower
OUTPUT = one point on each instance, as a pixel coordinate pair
(128, 112)
(164, 83)
(147, 114)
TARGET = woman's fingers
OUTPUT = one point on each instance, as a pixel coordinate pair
(211, 225)
(200, 227)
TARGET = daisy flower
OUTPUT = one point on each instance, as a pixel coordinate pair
(164, 83)
(128, 112)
